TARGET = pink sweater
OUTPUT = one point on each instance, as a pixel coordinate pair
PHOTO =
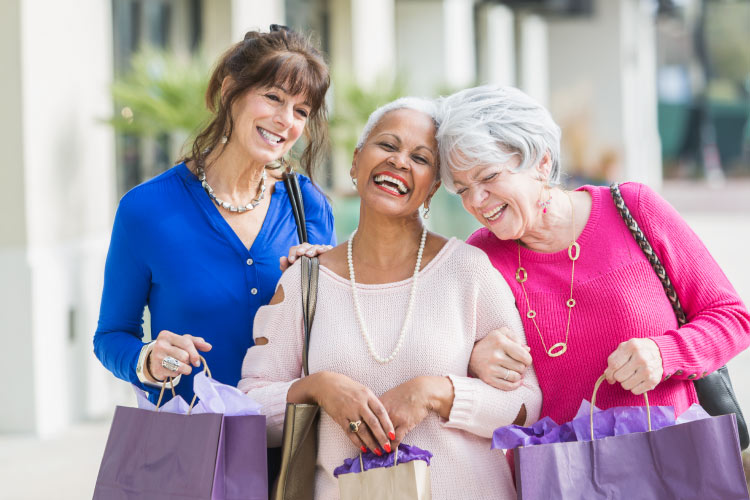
(460, 298)
(619, 297)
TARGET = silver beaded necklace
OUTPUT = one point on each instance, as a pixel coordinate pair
(225, 205)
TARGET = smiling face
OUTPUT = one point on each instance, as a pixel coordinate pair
(396, 167)
(503, 201)
(267, 123)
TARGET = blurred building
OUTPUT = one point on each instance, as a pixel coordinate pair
(592, 62)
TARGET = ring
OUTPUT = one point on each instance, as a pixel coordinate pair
(170, 363)
(507, 373)
(354, 426)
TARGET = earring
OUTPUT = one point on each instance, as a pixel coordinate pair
(426, 212)
(544, 204)
(224, 139)
(354, 184)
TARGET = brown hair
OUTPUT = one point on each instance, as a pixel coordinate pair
(280, 58)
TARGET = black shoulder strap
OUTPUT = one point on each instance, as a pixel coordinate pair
(298, 209)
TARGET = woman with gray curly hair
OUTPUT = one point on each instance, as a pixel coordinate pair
(589, 300)
(390, 345)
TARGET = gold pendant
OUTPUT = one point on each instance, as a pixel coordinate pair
(557, 350)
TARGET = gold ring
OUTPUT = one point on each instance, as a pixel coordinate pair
(354, 426)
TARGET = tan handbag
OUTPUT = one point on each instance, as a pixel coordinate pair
(299, 446)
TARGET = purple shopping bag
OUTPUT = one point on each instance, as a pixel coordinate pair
(165, 455)
(693, 460)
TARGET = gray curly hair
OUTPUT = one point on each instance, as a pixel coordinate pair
(426, 106)
(491, 124)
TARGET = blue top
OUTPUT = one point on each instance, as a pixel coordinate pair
(172, 250)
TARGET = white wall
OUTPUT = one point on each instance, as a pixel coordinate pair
(64, 180)
(602, 88)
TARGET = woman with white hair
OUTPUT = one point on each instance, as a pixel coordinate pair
(398, 313)
(590, 301)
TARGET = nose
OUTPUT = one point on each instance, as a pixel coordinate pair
(285, 116)
(476, 195)
(397, 160)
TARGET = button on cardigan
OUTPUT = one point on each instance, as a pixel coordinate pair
(172, 250)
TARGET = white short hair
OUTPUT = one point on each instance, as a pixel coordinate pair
(489, 125)
(426, 106)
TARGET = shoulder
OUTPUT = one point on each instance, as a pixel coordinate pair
(312, 194)
(153, 193)
(471, 262)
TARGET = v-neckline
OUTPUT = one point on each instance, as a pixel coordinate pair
(220, 222)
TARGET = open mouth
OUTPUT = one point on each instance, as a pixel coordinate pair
(270, 137)
(495, 213)
(392, 184)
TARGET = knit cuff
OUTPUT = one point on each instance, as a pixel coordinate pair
(672, 360)
(463, 411)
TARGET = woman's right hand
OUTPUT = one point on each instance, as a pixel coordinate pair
(298, 251)
(500, 359)
(348, 401)
(184, 348)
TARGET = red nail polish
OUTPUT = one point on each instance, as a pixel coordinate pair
(378, 452)
(363, 448)
(391, 435)
(387, 447)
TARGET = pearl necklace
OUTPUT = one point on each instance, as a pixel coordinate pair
(223, 204)
(358, 309)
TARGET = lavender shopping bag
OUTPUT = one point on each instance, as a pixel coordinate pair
(201, 455)
(699, 459)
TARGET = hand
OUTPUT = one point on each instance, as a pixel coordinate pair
(636, 364)
(184, 348)
(500, 359)
(348, 401)
(299, 250)
(409, 403)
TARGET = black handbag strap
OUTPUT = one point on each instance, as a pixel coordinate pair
(309, 265)
(298, 208)
(653, 259)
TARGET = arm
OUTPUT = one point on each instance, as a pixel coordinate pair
(477, 407)
(127, 280)
(718, 326)
(272, 369)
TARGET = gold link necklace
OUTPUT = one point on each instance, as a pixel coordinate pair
(574, 251)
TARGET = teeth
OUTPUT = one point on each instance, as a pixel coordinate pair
(401, 187)
(494, 213)
(269, 136)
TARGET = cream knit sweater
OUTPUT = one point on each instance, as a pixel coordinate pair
(460, 298)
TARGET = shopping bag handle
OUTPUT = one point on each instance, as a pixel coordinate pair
(362, 465)
(171, 384)
(593, 403)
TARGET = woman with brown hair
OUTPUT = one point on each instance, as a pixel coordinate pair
(200, 244)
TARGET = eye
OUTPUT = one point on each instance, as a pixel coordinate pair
(461, 192)
(303, 113)
(273, 97)
(490, 177)
(387, 146)
(421, 159)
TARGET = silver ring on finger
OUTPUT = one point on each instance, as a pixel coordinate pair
(507, 374)
(171, 363)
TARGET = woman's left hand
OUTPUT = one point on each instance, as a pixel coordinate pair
(409, 403)
(636, 364)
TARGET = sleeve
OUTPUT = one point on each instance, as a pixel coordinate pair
(269, 370)
(127, 282)
(718, 326)
(318, 214)
(478, 407)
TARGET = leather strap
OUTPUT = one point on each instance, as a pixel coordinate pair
(310, 268)
(298, 208)
(642, 241)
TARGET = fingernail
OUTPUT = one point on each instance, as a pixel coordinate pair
(391, 435)
(196, 363)
(387, 447)
(363, 448)
(311, 253)
(378, 452)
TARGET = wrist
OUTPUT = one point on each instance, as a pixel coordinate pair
(438, 392)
